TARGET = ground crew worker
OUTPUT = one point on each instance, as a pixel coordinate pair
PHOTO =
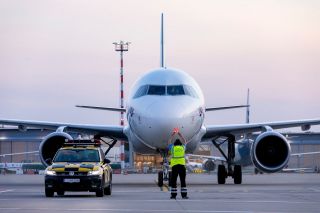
(177, 163)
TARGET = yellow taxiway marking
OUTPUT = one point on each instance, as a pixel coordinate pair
(164, 188)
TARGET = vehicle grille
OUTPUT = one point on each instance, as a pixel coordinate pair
(75, 174)
(71, 169)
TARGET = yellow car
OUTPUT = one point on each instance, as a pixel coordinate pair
(78, 168)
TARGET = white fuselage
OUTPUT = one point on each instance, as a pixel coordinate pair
(160, 101)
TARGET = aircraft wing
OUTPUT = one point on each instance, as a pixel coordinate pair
(18, 153)
(103, 108)
(216, 130)
(102, 130)
(305, 153)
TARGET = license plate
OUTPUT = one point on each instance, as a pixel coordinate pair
(71, 180)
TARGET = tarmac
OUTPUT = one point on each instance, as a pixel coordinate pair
(139, 193)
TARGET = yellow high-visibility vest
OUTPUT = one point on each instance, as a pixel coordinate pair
(177, 156)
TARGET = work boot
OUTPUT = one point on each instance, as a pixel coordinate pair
(173, 193)
(184, 193)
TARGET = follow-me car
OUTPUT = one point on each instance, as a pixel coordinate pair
(78, 167)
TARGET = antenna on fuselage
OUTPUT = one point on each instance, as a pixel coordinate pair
(161, 44)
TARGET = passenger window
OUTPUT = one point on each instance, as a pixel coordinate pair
(175, 90)
(141, 91)
(157, 90)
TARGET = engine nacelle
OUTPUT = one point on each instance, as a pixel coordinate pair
(270, 152)
(209, 165)
(50, 145)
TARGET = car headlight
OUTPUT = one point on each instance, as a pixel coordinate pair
(96, 172)
(50, 172)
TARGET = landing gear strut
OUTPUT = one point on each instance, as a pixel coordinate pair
(232, 170)
(164, 174)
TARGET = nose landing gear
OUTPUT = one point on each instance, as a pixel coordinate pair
(164, 175)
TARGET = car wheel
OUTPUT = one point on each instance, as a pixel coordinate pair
(49, 192)
(100, 191)
(108, 189)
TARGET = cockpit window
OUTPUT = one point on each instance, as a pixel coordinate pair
(141, 91)
(190, 91)
(157, 90)
(166, 90)
(175, 90)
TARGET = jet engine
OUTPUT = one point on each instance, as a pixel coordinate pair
(270, 152)
(50, 145)
(209, 165)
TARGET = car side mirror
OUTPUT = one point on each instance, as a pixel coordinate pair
(106, 161)
(48, 161)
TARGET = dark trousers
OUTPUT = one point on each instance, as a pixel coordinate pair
(178, 170)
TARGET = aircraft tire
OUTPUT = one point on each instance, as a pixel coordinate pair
(170, 177)
(222, 174)
(237, 174)
(160, 178)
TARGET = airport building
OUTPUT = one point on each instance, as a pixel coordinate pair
(15, 141)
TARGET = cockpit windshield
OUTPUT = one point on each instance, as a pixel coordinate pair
(141, 91)
(156, 90)
(175, 90)
(170, 90)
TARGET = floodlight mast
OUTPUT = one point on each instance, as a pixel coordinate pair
(121, 47)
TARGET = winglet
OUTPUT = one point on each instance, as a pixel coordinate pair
(162, 64)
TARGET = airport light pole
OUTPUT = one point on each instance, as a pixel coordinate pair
(121, 47)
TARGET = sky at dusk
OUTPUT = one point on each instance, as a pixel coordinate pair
(56, 54)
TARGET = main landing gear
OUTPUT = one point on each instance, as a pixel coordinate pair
(232, 170)
(164, 174)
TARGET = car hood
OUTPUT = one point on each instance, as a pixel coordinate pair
(76, 167)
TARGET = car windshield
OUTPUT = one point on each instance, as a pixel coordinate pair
(77, 155)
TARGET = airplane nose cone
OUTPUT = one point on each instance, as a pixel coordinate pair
(162, 111)
(162, 118)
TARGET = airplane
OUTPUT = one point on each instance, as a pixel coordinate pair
(164, 100)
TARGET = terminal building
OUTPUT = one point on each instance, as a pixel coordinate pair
(13, 140)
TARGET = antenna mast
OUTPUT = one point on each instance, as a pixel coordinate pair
(162, 64)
